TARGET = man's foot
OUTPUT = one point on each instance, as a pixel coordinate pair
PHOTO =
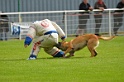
(115, 33)
(59, 54)
(32, 57)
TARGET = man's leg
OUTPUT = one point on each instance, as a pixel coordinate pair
(82, 24)
(46, 41)
(118, 22)
(49, 43)
(6, 37)
(53, 51)
(98, 21)
(115, 24)
(37, 42)
(1, 36)
(34, 51)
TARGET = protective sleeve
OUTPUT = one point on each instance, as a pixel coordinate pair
(28, 40)
(59, 30)
(30, 35)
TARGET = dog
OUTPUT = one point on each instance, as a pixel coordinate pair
(89, 40)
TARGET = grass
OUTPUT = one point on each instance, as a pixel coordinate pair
(108, 66)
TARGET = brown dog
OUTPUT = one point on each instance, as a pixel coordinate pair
(89, 40)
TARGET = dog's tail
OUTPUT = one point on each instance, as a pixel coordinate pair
(106, 38)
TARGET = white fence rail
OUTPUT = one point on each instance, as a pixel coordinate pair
(68, 20)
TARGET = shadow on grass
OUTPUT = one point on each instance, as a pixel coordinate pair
(42, 58)
(12, 59)
(63, 58)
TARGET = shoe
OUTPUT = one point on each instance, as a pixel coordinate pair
(32, 57)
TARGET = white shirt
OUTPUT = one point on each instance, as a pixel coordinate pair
(38, 28)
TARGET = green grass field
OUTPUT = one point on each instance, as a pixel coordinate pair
(108, 66)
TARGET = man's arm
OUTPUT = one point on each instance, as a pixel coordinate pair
(90, 8)
(105, 5)
(119, 5)
(59, 30)
(30, 35)
(83, 7)
(96, 6)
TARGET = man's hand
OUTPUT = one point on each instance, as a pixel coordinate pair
(101, 8)
(91, 8)
(25, 46)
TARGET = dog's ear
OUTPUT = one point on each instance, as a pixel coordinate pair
(58, 45)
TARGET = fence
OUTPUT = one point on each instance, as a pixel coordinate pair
(68, 20)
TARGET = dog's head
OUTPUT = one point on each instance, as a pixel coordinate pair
(58, 45)
(62, 45)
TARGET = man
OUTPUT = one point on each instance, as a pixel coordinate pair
(4, 27)
(118, 17)
(44, 34)
(83, 17)
(98, 16)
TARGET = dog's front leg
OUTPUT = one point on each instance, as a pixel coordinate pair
(70, 54)
(67, 51)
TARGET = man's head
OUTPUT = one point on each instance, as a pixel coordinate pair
(85, 1)
(100, 1)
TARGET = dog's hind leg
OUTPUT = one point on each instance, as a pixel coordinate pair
(97, 44)
(92, 51)
(91, 46)
(95, 52)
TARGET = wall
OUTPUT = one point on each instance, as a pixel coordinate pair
(46, 5)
